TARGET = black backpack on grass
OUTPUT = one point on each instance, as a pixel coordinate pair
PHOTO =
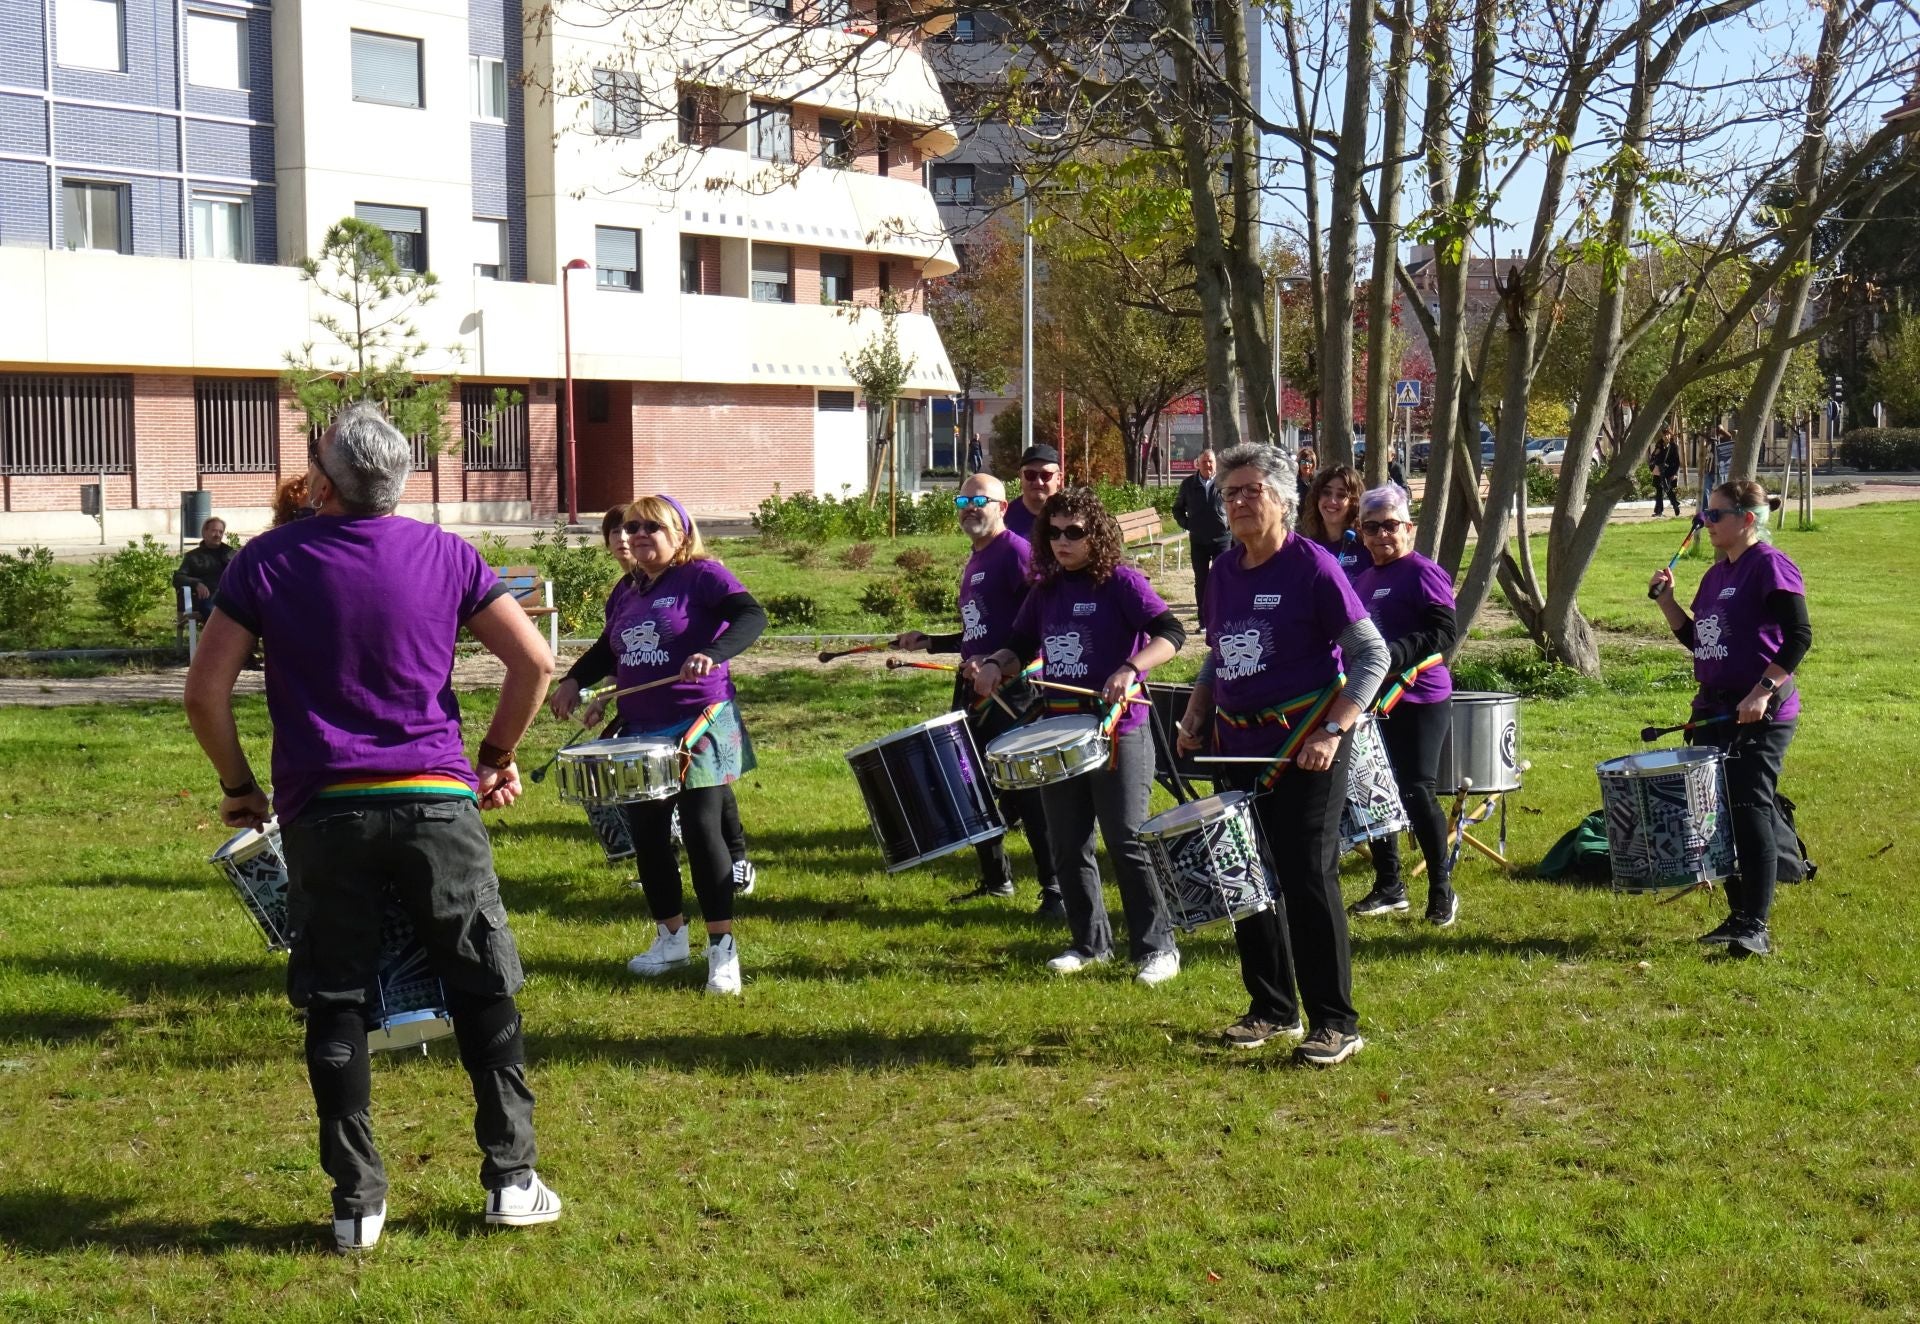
(1794, 866)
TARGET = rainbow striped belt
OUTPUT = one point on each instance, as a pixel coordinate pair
(1397, 687)
(423, 785)
(1297, 718)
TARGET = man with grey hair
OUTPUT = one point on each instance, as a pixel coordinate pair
(1199, 510)
(377, 802)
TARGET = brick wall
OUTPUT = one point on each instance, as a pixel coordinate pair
(806, 276)
(23, 59)
(23, 204)
(61, 492)
(496, 485)
(542, 446)
(234, 491)
(165, 454)
(722, 447)
(709, 264)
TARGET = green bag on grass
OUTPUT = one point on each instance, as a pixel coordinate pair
(1581, 854)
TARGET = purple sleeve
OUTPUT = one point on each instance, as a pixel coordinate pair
(236, 595)
(1023, 556)
(477, 580)
(1140, 605)
(1781, 575)
(1435, 584)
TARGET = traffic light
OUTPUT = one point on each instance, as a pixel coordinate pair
(1838, 392)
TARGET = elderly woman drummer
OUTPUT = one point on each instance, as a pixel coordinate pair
(679, 612)
(1097, 623)
(1410, 600)
(1281, 618)
(1748, 634)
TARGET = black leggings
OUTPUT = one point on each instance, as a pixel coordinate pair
(1413, 734)
(1755, 751)
(730, 829)
(651, 824)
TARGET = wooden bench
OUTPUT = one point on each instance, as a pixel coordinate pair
(534, 593)
(1145, 535)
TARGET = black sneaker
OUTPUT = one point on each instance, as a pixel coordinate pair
(1251, 1031)
(998, 891)
(1444, 909)
(1750, 939)
(744, 875)
(1329, 1048)
(1724, 934)
(1378, 902)
(1051, 907)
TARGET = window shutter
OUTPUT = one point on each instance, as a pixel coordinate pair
(616, 250)
(386, 69)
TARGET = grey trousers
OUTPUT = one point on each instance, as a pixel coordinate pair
(1117, 798)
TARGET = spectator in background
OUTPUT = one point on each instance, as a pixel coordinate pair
(202, 567)
(1665, 463)
(1199, 510)
(290, 501)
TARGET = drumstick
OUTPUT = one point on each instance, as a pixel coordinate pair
(1653, 594)
(849, 652)
(895, 663)
(1265, 760)
(539, 774)
(1091, 694)
(1655, 732)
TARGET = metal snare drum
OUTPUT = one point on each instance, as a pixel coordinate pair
(1668, 823)
(620, 771)
(1046, 752)
(1206, 861)
(254, 865)
(1373, 809)
(1482, 748)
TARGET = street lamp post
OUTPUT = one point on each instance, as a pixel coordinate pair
(566, 333)
(1280, 287)
(1026, 321)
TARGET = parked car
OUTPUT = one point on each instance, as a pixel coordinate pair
(1553, 450)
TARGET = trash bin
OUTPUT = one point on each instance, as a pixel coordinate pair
(196, 508)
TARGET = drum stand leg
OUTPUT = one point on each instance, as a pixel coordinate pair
(1704, 885)
(1459, 820)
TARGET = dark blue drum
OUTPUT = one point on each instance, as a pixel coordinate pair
(926, 791)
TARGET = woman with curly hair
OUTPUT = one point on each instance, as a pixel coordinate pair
(1330, 516)
(1097, 623)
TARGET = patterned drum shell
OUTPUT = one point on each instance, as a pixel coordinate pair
(622, 770)
(1055, 749)
(1373, 809)
(254, 865)
(1667, 819)
(609, 824)
(1206, 861)
(1482, 745)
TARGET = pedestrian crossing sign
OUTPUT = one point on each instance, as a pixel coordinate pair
(1406, 394)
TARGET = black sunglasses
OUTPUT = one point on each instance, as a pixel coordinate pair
(1373, 526)
(636, 528)
(1072, 533)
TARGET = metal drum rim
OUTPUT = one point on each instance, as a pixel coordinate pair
(1080, 723)
(894, 737)
(1231, 803)
(1697, 756)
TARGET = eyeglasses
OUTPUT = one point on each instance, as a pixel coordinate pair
(638, 528)
(1243, 492)
(972, 502)
(1071, 533)
(1039, 475)
(1389, 527)
(1711, 515)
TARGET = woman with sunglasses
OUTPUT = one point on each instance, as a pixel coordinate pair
(679, 612)
(1748, 633)
(1098, 624)
(1410, 600)
(1330, 515)
(1292, 663)
(596, 664)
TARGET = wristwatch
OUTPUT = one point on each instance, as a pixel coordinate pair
(1334, 729)
(1769, 684)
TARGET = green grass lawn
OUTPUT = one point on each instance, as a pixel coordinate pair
(1564, 1110)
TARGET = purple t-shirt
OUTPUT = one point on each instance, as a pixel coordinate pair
(1274, 632)
(359, 616)
(1086, 630)
(1019, 520)
(1734, 639)
(1348, 552)
(992, 587)
(653, 631)
(1396, 595)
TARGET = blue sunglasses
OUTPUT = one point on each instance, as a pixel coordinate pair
(972, 502)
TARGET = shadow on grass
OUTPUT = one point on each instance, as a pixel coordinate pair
(203, 880)
(1423, 940)
(51, 1027)
(51, 1221)
(779, 1052)
(138, 980)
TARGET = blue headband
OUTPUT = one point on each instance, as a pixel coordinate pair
(686, 520)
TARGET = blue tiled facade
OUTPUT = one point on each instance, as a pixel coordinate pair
(500, 150)
(134, 129)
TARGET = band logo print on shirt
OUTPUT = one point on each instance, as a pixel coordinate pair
(1706, 636)
(642, 644)
(1240, 654)
(1063, 654)
(972, 626)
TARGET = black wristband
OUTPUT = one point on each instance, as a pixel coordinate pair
(245, 788)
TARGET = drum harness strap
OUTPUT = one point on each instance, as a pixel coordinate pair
(694, 734)
(979, 706)
(1299, 718)
(1397, 688)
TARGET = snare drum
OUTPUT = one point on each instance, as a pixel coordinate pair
(1373, 809)
(410, 1003)
(1667, 818)
(620, 771)
(1206, 862)
(924, 791)
(1055, 749)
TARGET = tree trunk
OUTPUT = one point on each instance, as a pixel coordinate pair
(1334, 439)
(1381, 365)
(1252, 336)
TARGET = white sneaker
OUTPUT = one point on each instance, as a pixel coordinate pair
(523, 1206)
(669, 952)
(360, 1233)
(1072, 962)
(743, 876)
(723, 966)
(1158, 968)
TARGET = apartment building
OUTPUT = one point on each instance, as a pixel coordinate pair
(165, 163)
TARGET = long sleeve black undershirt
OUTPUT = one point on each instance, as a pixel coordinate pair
(746, 621)
(1436, 634)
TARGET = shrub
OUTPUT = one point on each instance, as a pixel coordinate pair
(1122, 498)
(915, 560)
(582, 575)
(935, 597)
(34, 596)
(1519, 671)
(493, 550)
(803, 554)
(857, 557)
(1881, 448)
(134, 581)
(885, 598)
(793, 609)
(1543, 485)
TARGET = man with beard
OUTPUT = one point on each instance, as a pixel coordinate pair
(1040, 478)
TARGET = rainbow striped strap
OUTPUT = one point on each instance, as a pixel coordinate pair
(375, 785)
(1111, 719)
(1299, 718)
(695, 733)
(1032, 668)
(1397, 688)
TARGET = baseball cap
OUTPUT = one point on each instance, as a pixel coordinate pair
(1040, 454)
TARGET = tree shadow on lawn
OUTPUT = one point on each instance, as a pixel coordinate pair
(1426, 941)
(782, 1052)
(51, 1027)
(52, 1221)
(138, 980)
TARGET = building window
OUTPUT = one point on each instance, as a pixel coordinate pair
(222, 228)
(780, 9)
(235, 423)
(95, 216)
(689, 264)
(830, 13)
(92, 34)
(962, 30)
(836, 278)
(217, 51)
(699, 114)
(386, 69)
(882, 148)
(772, 273)
(616, 258)
(886, 277)
(405, 226)
(489, 79)
(953, 184)
(835, 402)
(489, 248)
(616, 103)
(770, 132)
(495, 433)
(836, 142)
(66, 424)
